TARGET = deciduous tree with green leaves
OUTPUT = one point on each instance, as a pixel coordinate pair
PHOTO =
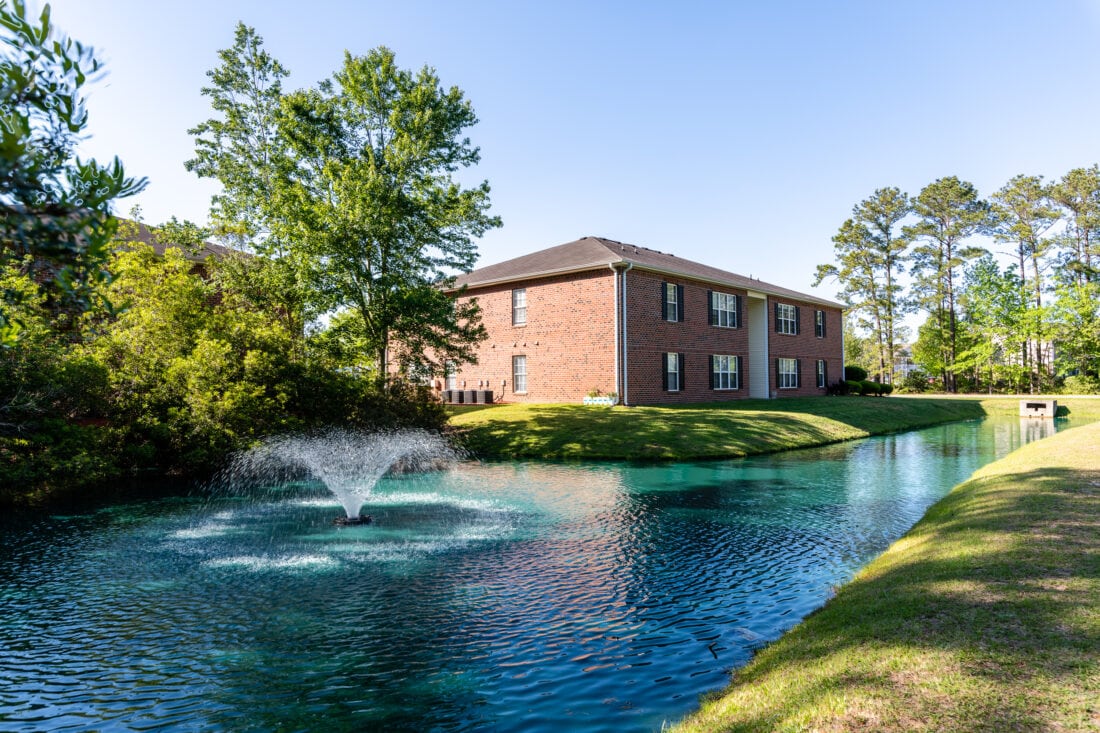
(55, 207)
(353, 187)
(949, 213)
(373, 202)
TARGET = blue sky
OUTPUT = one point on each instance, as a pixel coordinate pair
(733, 133)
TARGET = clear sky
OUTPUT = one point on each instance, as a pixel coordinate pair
(733, 133)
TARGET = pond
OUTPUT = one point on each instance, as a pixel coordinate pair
(511, 597)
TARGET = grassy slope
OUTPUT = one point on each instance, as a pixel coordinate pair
(705, 431)
(985, 616)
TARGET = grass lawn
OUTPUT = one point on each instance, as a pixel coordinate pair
(707, 431)
(984, 617)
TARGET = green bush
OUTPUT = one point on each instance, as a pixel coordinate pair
(867, 387)
(915, 381)
(1081, 384)
(853, 386)
(853, 373)
(885, 389)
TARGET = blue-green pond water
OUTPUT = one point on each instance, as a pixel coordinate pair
(511, 597)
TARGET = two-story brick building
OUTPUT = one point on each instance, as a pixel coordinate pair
(653, 328)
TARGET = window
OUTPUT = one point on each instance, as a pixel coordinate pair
(786, 319)
(787, 373)
(673, 371)
(519, 374)
(819, 324)
(451, 372)
(822, 379)
(725, 372)
(725, 310)
(519, 307)
(672, 302)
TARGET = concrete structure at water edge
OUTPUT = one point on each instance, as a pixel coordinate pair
(597, 316)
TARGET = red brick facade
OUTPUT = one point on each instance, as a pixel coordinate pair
(806, 347)
(569, 341)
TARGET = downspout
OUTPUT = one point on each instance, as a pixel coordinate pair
(615, 275)
(626, 372)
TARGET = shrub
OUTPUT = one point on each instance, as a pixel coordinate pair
(885, 389)
(915, 381)
(853, 386)
(1081, 384)
(838, 388)
(867, 387)
(854, 373)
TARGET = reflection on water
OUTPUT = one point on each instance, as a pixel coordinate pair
(502, 596)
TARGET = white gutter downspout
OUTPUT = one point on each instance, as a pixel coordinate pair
(615, 274)
(625, 371)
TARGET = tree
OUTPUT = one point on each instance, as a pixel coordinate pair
(242, 149)
(1022, 213)
(995, 310)
(1078, 193)
(371, 202)
(949, 212)
(870, 255)
(55, 206)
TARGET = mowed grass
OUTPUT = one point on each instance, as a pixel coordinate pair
(984, 617)
(691, 432)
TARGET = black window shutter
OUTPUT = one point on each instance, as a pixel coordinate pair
(739, 321)
(664, 372)
(712, 312)
(740, 366)
(713, 376)
(679, 302)
(777, 320)
(680, 363)
(664, 302)
(822, 324)
(778, 379)
(798, 372)
(797, 320)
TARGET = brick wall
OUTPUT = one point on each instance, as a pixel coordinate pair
(649, 338)
(806, 347)
(569, 338)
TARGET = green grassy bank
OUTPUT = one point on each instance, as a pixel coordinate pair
(707, 431)
(984, 617)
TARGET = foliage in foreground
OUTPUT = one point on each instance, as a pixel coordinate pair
(55, 207)
(190, 371)
(982, 617)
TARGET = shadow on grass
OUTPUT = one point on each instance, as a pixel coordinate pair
(1001, 581)
(701, 431)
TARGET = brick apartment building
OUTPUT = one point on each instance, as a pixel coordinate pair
(596, 314)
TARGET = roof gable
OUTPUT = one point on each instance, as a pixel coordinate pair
(591, 253)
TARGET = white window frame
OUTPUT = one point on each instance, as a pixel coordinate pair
(725, 372)
(819, 324)
(788, 373)
(821, 377)
(672, 366)
(519, 307)
(672, 302)
(725, 307)
(786, 319)
(519, 374)
(450, 380)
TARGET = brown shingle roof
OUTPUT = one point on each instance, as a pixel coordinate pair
(591, 253)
